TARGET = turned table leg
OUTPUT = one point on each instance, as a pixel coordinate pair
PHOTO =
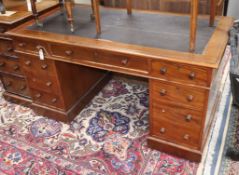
(68, 6)
(96, 13)
(34, 12)
(2, 7)
(193, 25)
(212, 12)
(129, 7)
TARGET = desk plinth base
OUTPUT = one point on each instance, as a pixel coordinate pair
(176, 150)
(13, 98)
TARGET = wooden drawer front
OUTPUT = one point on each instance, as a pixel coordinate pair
(101, 57)
(10, 66)
(181, 73)
(173, 132)
(182, 116)
(31, 64)
(178, 94)
(15, 85)
(30, 46)
(47, 99)
(6, 48)
(5, 45)
(46, 84)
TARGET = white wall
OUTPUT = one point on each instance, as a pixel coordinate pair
(233, 8)
(82, 1)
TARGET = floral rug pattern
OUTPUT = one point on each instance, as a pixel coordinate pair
(107, 138)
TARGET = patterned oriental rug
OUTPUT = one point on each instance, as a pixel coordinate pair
(107, 138)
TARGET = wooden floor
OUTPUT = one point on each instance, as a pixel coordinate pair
(146, 29)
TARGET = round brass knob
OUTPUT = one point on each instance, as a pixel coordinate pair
(22, 87)
(28, 63)
(38, 95)
(8, 84)
(54, 100)
(192, 75)
(48, 83)
(190, 98)
(21, 44)
(124, 61)
(163, 92)
(162, 130)
(186, 137)
(69, 52)
(2, 64)
(44, 66)
(163, 70)
(188, 117)
(15, 67)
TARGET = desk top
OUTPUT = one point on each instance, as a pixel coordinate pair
(148, 34)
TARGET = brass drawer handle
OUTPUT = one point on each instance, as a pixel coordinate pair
(16, 67)
(124, 61)
(190, 98)
(22, 44)
(163, 70)
(186, 137)
(8, 84)
(68, 52)
(38, 95)
(28, 63)
(163, 92)
(162, 130)
(192, 75)
(23, 87)
(2, 64)
(188, 117)
(54, 100)
(44, 66)
(48, 83)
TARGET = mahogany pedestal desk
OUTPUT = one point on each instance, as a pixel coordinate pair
(63, 68)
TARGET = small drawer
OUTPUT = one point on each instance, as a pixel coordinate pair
(181, 73)
(182, 116)
(46, 84)
(15, 85)
(30, 46)
(175, 133)
(32, 64)
(104, 58)
(46, 99)
(121, 61)
(10, 66)
(189, 97)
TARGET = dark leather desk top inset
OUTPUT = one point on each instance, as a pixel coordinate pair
(146, 29)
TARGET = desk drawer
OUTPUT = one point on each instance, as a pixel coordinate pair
(189, 97)
(46, 84)
(32, 64)
(30, 46)
(182, 116)
(175, 133)
(15, 85)
(181, 73)
(46, 99)
(10, 66)
(104, 58)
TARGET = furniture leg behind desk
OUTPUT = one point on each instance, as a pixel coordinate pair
(60, 90)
